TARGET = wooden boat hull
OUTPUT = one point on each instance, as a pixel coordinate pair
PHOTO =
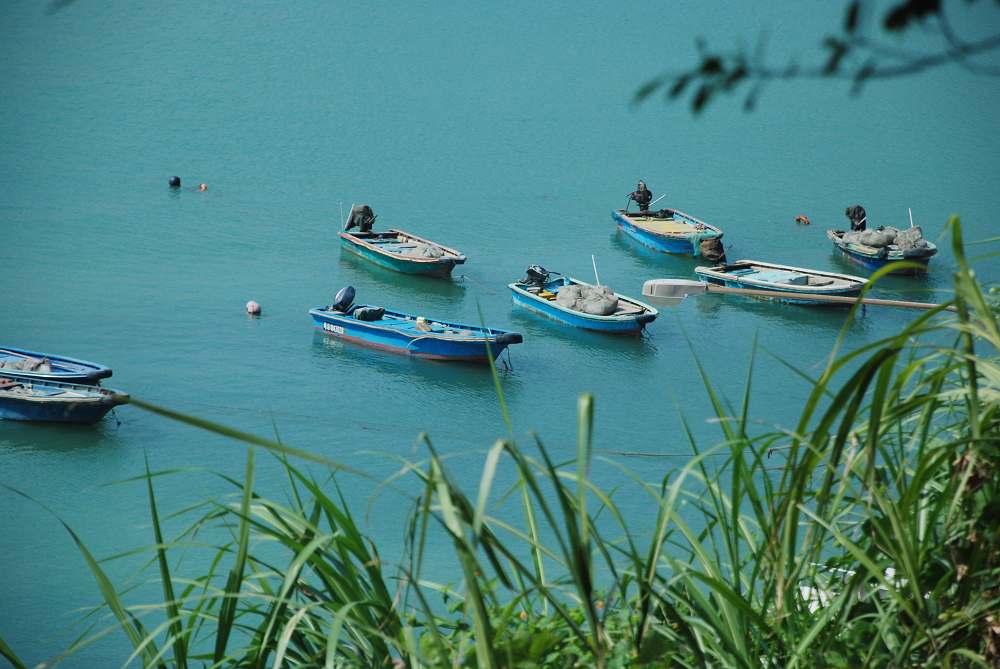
(436, 267)
(58, 402)
(624, 324)
(69, 370)
(872, 259)
(679, 243)
(480, 345)
(841, 285)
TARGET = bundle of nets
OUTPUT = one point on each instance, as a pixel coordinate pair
(595, 300)
(426, 251)
(27, 364)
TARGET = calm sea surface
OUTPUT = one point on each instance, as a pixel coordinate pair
(504, 130)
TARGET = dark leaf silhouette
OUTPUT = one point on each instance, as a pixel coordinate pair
(902, 15)
(851, 17)
(702, 97)
(711, 65)
(679, 85)
(838, 49)
(648, 89)
(866, 71)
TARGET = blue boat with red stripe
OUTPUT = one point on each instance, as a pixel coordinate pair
(407, 334)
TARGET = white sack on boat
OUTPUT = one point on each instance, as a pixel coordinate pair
(27, 364)
(596, 300)
(874, 238)
(426, 251)
(911, 239)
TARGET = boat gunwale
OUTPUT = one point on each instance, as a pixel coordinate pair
(611, 318)
(673, 235)
(454, 256)
(859, 282)
(489, 334)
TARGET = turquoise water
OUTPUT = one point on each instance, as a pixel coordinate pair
(506, 132)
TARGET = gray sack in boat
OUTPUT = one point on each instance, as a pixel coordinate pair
(595, 300)
(426, 251)
(911, 240)
(27, 365)
(875, 238)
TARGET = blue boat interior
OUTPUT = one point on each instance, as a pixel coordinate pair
(549, 290)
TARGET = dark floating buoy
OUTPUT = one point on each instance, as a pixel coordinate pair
(175, 182)
(253, 308)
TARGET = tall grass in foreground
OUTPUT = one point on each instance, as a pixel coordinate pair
(867, 535)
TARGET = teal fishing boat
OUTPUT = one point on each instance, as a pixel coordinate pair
(396, 249)
(789, 284)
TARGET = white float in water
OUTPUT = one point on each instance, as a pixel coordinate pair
(253, 308)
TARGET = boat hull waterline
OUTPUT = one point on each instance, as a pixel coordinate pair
(398, 333)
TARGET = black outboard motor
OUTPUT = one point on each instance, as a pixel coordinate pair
(344, 299)
(858, 216)
(361, 217)
(536, 276)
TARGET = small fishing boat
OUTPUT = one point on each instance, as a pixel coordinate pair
(670, 231)
(397, 250)
(24, 397)
(607, 311)
(52, 367)
(874, 249)
(410, 335)
(783, 279)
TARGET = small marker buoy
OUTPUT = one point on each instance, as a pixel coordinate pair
(802, 219)
(175, 182)
(253, 308)
(202, 187)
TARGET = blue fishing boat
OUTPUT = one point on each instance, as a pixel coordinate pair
(873, 256)
(408, 334)
(671, 231)
(784, 280)
(397, 250)
(28, 398)
(581, 305)
(52, 367)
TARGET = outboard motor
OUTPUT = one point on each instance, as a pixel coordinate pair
(362, 217)
(343, 300)
(536, 276)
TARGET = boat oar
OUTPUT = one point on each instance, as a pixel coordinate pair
(675, 290)
(594, 260)
(657, 199)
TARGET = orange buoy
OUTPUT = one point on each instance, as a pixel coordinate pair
(802, 219)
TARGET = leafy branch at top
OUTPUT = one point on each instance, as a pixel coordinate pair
(852, 54)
